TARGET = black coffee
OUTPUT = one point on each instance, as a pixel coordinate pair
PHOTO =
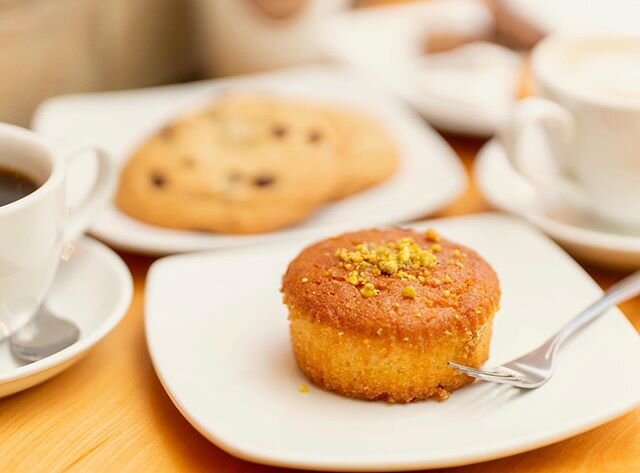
(14, 185)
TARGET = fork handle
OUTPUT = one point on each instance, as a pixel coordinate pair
(619, 292)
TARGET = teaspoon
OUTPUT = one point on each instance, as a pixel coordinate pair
(43, 336)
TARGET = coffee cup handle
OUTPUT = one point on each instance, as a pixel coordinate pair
(80, 218)
(547, 172)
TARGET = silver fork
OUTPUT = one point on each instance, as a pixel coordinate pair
(536, 367)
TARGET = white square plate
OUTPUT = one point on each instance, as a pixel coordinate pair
(218, 335)
(430, 173)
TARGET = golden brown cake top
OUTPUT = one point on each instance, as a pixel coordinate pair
(394, 282)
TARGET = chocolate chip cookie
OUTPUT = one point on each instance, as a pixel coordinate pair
(367, 153)
(243, 165)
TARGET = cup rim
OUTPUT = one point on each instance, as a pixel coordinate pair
(55, 177)
(543, 75)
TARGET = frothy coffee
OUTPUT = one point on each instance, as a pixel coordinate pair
(607, 67)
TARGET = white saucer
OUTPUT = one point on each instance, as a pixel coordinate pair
(430, 173)
(93, 290)
(218, 337)
(586, 239)
(468, 90)
(551, 16)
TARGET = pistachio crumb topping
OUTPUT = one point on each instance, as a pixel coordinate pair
(436, 248)
(432, 235)
(303, 388)
(447, 278)
(456, 262)
(397, 259)
(478, 310)
(369, 290)
(409, 292)
(459, 254)
(354, 278)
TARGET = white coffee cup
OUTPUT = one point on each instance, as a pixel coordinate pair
(35, 229)
(588, 111)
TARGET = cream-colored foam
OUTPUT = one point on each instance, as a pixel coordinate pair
(608, 67)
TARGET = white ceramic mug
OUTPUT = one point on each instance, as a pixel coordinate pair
(244, 36)
(35, 229)
(588, 111)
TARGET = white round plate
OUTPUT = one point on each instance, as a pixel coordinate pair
(594, 15)
(430, 173)
(93, 290)
(218, 336)
(586, 239)
(468, 90)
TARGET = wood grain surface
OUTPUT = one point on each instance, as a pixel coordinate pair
(110, 413)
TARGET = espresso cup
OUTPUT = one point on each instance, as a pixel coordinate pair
(36, 228)
(587, 109)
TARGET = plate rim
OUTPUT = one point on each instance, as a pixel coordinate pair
(455, 187)
(508, 448)
(408, 465)
(115, 316)
(451, 187)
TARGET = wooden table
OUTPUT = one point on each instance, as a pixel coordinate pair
(110, 413)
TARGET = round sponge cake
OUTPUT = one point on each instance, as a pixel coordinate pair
(377, 314)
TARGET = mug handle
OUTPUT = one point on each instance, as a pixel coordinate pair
(547, 173)
(81, 217)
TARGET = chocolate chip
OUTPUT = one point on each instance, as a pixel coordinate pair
(279, 131)
(264, 180)
(234, 176)
(168, 131)
(188, 162)
(158, 180)
(314, 136)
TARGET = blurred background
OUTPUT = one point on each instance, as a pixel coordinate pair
(53, 47)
